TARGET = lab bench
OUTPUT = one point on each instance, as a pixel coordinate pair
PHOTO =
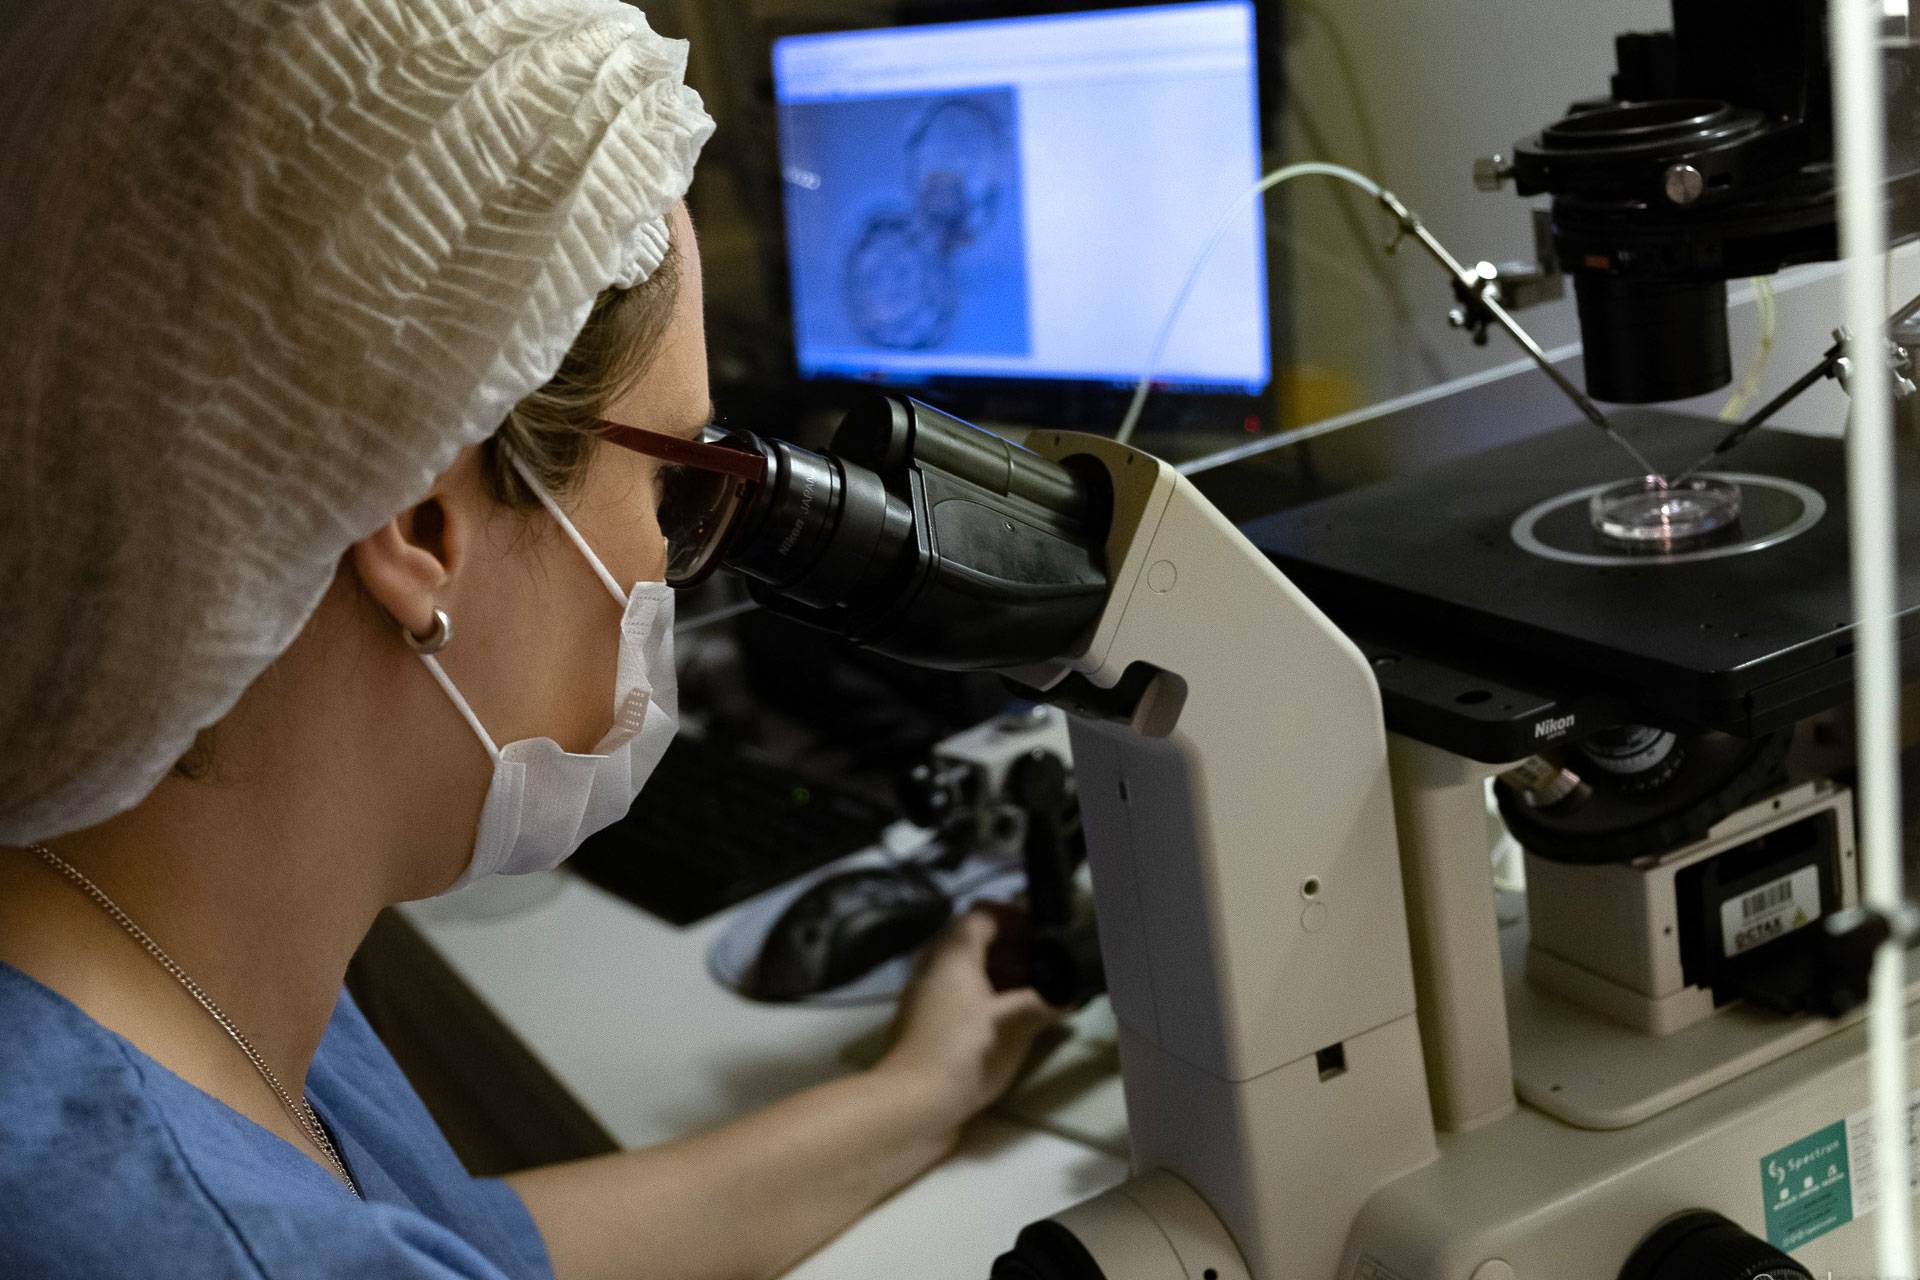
(545, 1019)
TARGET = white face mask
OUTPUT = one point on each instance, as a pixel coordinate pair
(543, 801)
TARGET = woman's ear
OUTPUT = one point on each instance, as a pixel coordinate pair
(407, 563)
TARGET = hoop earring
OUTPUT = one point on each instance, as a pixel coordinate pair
(435, 640)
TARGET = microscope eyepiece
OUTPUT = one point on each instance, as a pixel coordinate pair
(786, 528)
(921, 536)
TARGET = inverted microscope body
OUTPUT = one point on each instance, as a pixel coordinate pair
(1256, 877)
(1240, 830)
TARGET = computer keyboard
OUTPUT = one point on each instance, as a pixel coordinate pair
(716, 826)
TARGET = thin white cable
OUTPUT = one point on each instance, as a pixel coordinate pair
(1285, 174)
(1860, 132)
(1768, 314)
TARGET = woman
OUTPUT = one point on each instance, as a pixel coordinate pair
(298, 629)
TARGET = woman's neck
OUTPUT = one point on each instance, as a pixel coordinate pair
(327, 800)
(259, 905)
(261, 902)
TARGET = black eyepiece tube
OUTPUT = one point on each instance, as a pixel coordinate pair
(926, 538)
(793, 516)
(960, 449)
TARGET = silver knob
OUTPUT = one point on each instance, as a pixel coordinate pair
(1684, 183)
(1489, 172)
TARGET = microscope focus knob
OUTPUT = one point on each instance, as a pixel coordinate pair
(1064, 964)
(937, 793)
(1701, 1245)
(1490, 173)
(1047, 1250)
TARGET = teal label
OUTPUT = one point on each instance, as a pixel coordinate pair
(1807, 1187)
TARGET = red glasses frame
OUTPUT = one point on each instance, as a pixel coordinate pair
(745, 468)
(728, 461)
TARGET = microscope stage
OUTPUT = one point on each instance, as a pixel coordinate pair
(1491, 649)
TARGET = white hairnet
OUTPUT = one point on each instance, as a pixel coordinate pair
(269, 264)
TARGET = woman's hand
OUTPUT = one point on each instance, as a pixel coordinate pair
(814, 1162)
(958, 1035)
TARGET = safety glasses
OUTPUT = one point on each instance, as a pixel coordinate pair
(703, 488)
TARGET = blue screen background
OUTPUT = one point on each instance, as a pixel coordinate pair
(849, 162)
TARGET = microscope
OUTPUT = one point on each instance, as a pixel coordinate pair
(1710, 160)
(1344, 1056)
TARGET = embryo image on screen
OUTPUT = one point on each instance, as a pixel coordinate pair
(904, 214)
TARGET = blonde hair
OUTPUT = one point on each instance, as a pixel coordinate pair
(551, 431)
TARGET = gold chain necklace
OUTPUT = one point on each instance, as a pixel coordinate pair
(299, 1108)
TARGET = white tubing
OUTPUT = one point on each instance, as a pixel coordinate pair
(1860, 135)
(1768, 315)
(1233, 213)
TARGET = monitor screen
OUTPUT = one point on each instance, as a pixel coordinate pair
(1023, 198)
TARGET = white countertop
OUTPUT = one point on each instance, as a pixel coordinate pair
(620, 1008)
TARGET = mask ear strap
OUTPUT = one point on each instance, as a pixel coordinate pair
(553, 509)
(439, 673)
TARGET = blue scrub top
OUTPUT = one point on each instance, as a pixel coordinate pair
(112, 1166)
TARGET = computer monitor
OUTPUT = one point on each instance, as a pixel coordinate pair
(1016, 201)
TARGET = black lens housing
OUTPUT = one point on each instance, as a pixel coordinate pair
(1711, 159)
(789, 520)
(1046, 1250)
(918, 535)
(1653, 340)
(1703, 1245)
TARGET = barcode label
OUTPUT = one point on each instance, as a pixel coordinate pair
(1772, 911)
(1765, 900)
